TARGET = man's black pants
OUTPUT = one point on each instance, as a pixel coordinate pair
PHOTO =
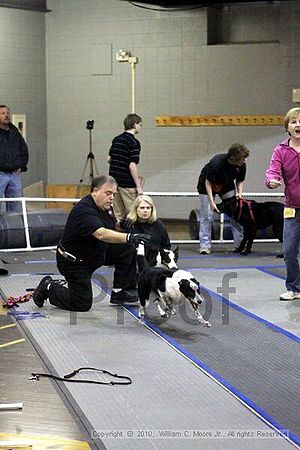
(78, 296)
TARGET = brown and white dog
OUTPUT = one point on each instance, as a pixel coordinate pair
(167, 288)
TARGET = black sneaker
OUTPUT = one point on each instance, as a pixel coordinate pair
(124, 297)
(41, 293)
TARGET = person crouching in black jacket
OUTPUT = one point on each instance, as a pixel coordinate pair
(88, 242)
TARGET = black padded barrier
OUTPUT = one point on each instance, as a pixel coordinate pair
(45, 228)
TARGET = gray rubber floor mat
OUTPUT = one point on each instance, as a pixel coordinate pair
(257, 290)
(254, 358)
(170, 398)
(279, 272)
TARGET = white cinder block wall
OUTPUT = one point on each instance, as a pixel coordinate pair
(252, 70)
(23, 80)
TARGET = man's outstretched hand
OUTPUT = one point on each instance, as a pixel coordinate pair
(137, 238)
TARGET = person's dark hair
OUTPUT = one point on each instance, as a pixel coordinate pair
(4, 106)
(237, 153)
(131, 120)
(101, 180)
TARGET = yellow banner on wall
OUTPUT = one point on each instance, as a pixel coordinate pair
(219, 120)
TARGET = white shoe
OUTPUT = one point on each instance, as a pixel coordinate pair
(289, 295)
(204, 251)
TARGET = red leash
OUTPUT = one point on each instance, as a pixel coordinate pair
(14, 301)
(249, 204)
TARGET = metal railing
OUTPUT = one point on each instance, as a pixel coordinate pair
(221, 239)
(24, 211)
(25, 200)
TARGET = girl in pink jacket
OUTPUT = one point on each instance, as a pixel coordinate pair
(285, 167)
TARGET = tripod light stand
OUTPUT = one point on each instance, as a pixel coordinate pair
(90, 160)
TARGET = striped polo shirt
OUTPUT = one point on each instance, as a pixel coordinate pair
(125, 149)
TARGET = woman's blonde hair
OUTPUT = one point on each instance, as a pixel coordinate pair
(291, 114)
(132, 215)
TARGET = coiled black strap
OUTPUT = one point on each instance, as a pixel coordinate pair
(126, 380)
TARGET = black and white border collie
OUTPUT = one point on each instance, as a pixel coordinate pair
(167, 288)
(162, 258)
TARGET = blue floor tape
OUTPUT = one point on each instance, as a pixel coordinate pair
(245, 399)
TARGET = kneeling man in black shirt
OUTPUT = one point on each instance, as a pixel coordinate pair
(88, 242)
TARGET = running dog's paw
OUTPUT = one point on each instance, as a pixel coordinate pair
(142, 312)
(203, 322)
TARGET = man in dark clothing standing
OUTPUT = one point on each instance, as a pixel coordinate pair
(124, 156)
(13, 160)
(88, 242)
(224, 175)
